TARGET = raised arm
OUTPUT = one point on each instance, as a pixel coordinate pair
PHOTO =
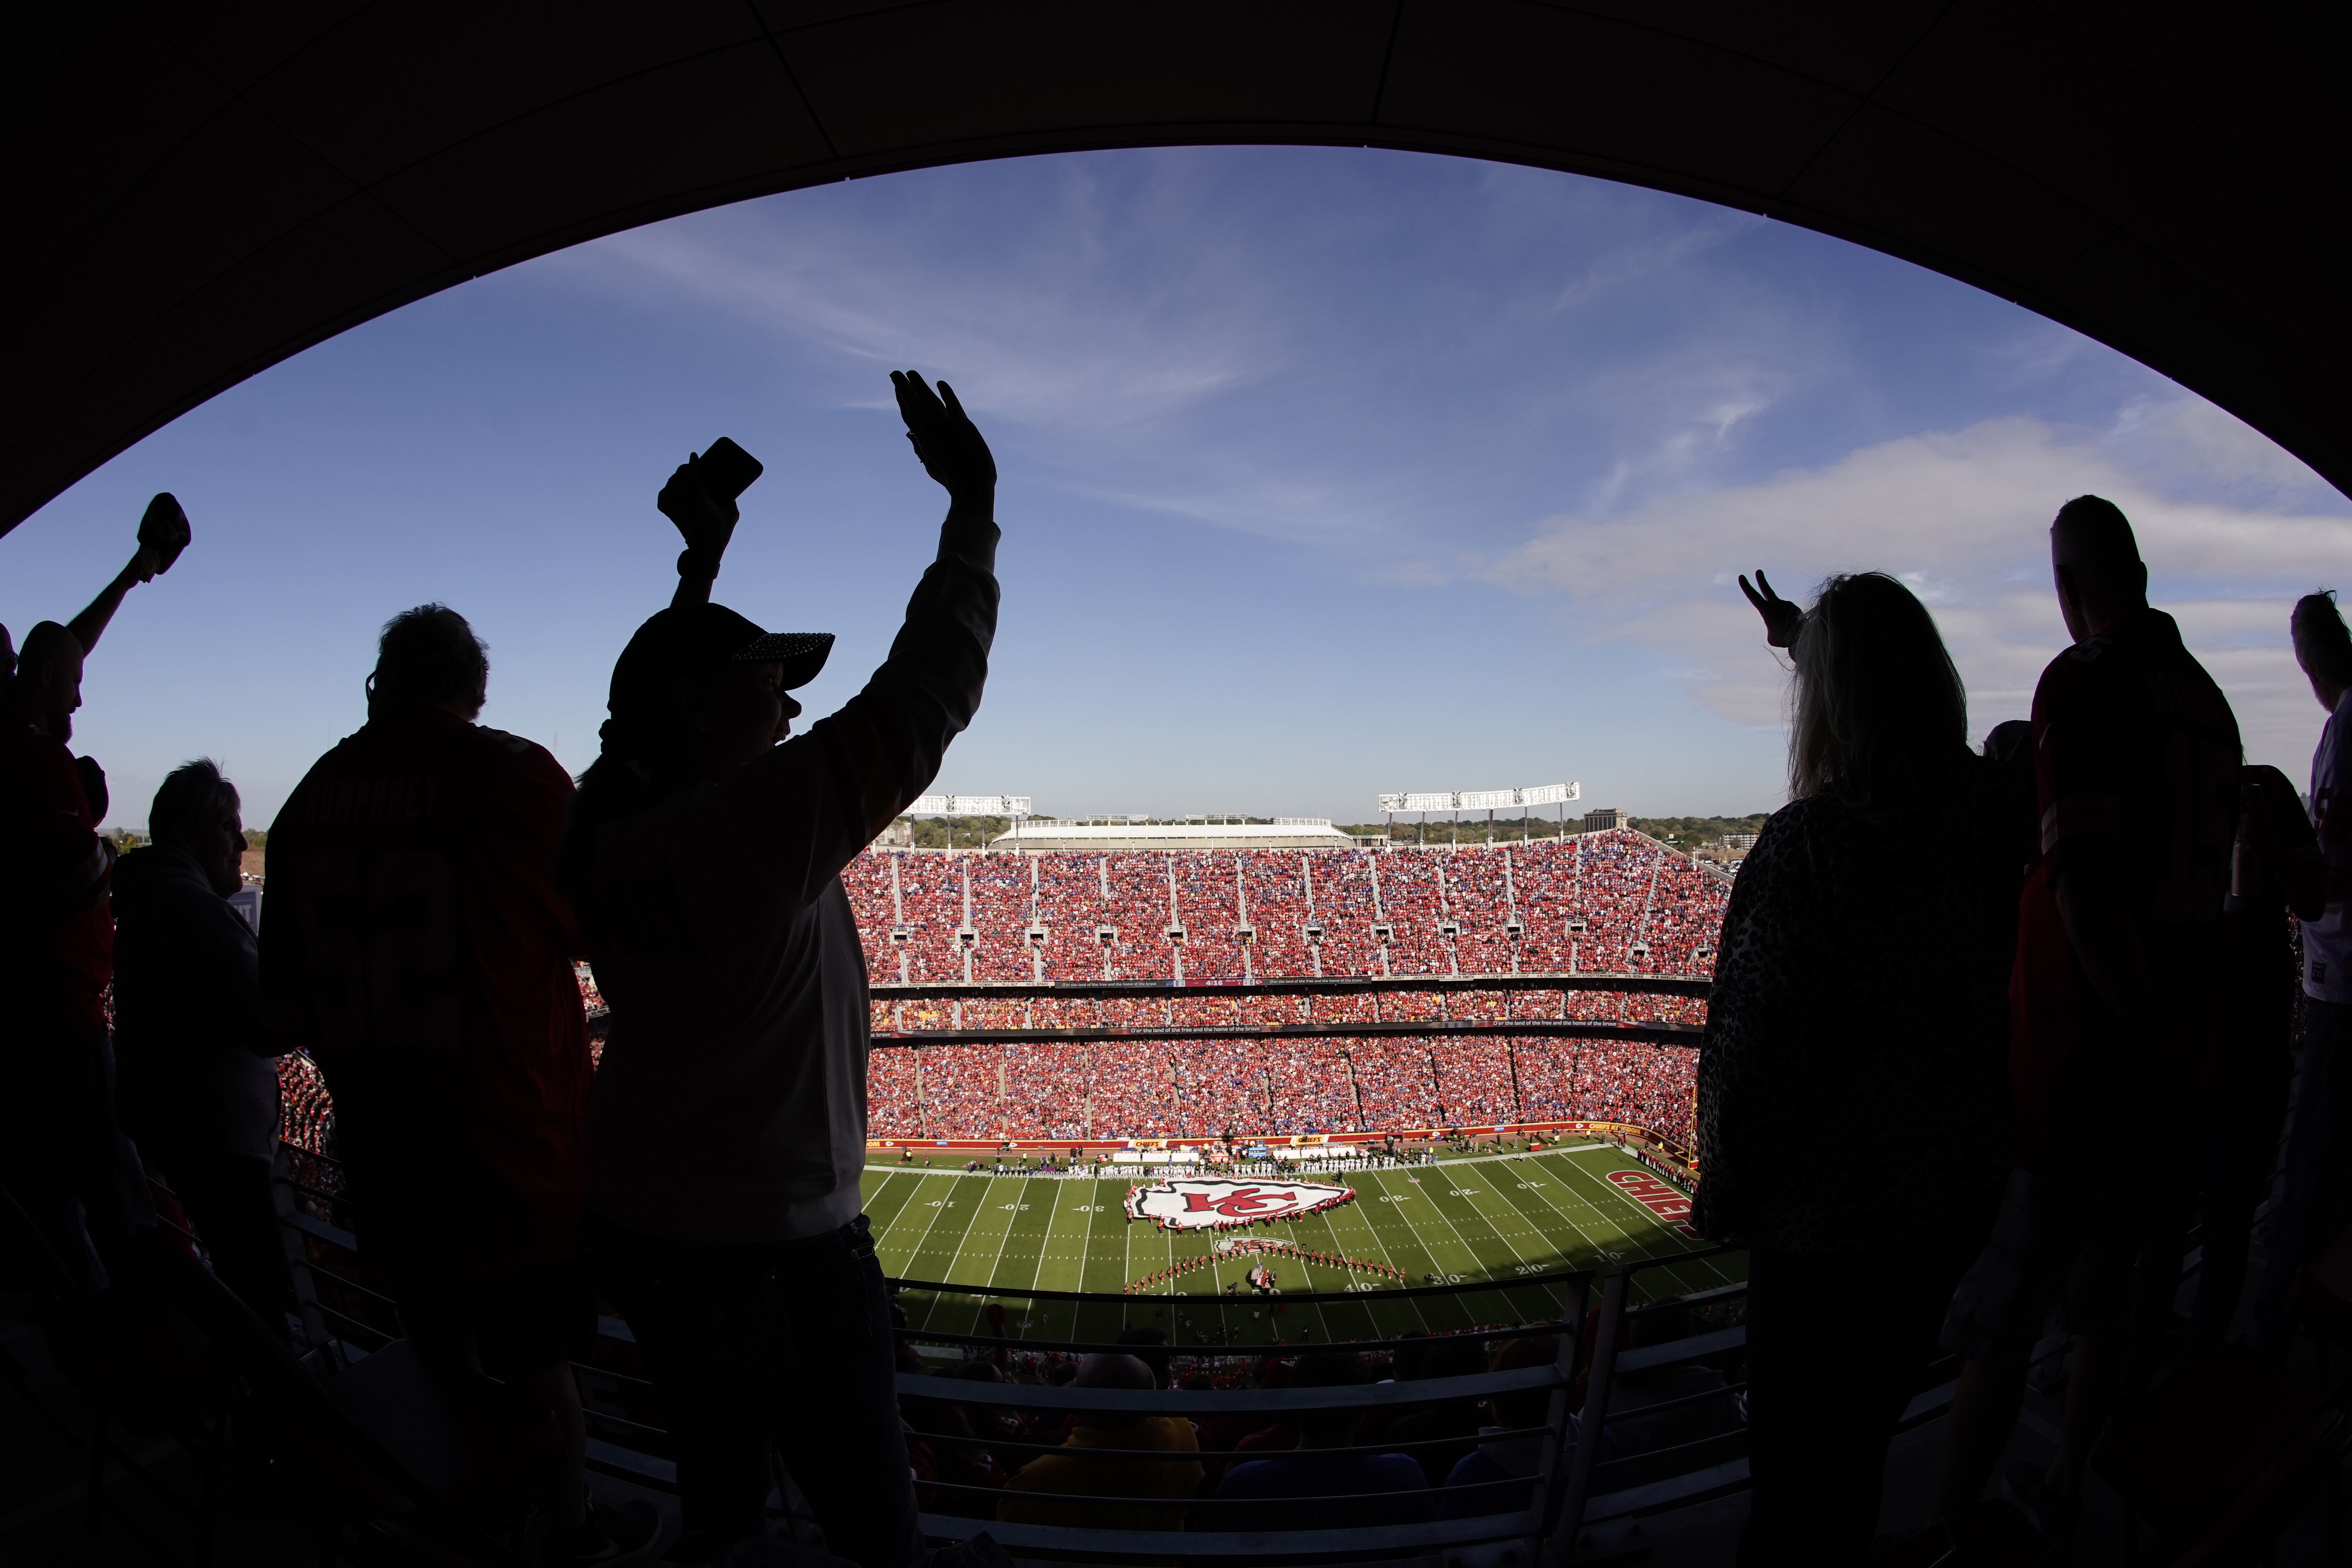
(707, 523)
(952, 452)
(163, 533)
(826, 793)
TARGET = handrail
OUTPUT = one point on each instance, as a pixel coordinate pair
(1016, 1445)
(1131, 1546)
(936, 1039)
(1401, 1292)
(1650, 983)
(1211, 1402)
(1689, 1348)
(1596, 1403)
(1228, 1353)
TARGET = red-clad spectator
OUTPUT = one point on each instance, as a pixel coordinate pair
(2136, 762)
(65, 1160)
(424, 847)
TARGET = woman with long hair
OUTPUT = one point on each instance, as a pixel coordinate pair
(1861, 991)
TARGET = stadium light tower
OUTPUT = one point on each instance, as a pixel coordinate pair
(950, 806)
(1480, 799)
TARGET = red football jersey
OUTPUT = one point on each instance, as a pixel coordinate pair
(57, 937)
(2134, 746)
(415, 942)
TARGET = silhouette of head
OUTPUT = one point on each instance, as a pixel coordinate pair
(1150, 1350)
(1523, 1408)
(702, 685)
(2095, 562)
(1876, 689)
(47, 687)
(197, 810)
(1329, 1369)
(2321, 646)
(2007, 740)
(429, 655)
(1112, 1371)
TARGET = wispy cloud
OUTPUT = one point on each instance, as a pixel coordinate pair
(1632, 263)
(1053, 334)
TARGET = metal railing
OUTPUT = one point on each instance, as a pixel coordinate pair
(1652, 1448)
(1574, 1488)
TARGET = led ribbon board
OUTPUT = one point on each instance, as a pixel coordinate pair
(1219, 1202)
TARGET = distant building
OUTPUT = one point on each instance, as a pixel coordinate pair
(899, 835)
(1601, 821)
(1739, 843)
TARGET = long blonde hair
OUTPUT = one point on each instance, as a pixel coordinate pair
(1876, 689)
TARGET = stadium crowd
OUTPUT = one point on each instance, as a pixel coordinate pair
(1314, 913)
(2089, 978)
(1173, 1009)
(1206, 1089)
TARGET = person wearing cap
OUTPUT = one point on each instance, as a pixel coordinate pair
(61, 1149)
(416, 945)
(728, 1127)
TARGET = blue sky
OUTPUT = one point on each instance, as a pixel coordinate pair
(1324, 472)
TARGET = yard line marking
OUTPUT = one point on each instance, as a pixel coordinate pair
(913, 1251)
(1330, 1218)
(1484, 1220)
(1432, 1250)
(1567, 1219)
(1044, 1250)
(988, 1279)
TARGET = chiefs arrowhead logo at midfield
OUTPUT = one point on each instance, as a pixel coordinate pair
(1213, 1203)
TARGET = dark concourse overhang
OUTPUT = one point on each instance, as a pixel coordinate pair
(195, 192)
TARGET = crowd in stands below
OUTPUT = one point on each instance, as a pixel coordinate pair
(306, 1116)
(1161, 1088)
(1616, 901)
(1199, 1088)
(1176, 1010)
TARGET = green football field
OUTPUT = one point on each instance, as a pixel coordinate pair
(1494, 1218)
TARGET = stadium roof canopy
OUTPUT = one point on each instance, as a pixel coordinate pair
(1295, 834)
(195, 191)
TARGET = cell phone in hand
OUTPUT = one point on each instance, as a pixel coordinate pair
(727, 469)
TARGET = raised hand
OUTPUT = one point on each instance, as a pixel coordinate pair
(163, 533)
(1782, 619)
(944, 438)
(706, 521)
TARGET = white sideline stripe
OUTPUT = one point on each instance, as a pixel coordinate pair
(1137, 1171)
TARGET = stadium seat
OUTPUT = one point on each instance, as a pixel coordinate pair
(1995, 1536)
(414, 1453)
(2323, 1292)
(2216, 1457)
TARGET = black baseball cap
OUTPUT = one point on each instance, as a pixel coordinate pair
(683, 639)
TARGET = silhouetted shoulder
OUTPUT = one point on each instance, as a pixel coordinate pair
(525, 756)
(514, 745)
(2082, 668)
